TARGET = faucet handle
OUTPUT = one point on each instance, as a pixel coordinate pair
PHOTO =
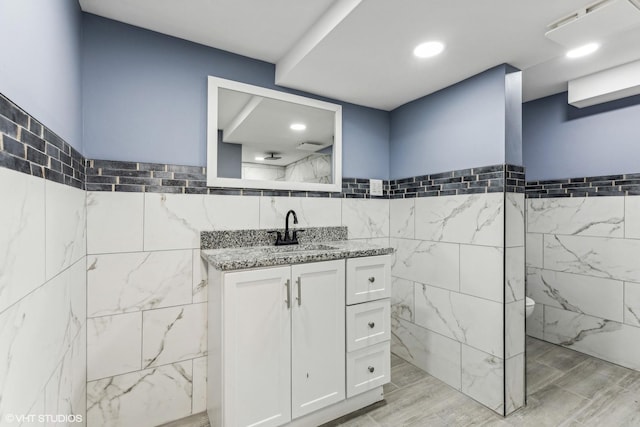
(295, 234)
(278, 235)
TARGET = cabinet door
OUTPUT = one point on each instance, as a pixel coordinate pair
(257, 348)
(317, 336)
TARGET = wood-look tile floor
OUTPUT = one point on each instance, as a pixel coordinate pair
(565, 388)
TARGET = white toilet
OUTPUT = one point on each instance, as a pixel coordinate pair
(530, 304)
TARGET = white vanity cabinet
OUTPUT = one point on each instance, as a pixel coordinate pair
(277, 343)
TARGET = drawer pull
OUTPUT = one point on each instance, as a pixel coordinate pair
(372, 325)
(371, 369)
(372, 279)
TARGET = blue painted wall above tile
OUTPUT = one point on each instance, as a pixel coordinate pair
(145, 99)
(40, 65)
(561, 141)
(461, 126)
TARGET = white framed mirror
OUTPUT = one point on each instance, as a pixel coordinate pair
(266, 139)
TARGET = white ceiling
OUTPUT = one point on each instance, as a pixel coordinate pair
(360, 51)
(263, 127)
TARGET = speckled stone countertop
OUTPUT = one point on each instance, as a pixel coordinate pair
(227, 259)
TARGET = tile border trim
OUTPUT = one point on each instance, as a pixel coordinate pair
(485, 179)
(590, 186)
(29, 147)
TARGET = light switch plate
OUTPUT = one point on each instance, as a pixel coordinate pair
(375, 187)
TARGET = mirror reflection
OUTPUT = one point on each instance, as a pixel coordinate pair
(261, 138)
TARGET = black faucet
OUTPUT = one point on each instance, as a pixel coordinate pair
(286, 223)
(288, 239)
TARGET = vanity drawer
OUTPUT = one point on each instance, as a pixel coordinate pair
(368, 323)
(368, 278)
(368, 368)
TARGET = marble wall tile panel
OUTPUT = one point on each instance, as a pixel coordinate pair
(514, 328)
(473, 219)
(173, 334)
(311, 212)
(199, 385)
(534, 247)
(605, 339)
(515, 382)
(632, 217)
(593, 256)
(383, 242)
(402, 300)
(174, 221)
(402, 218)
(481, 271)
(431, 352)
(483, 377)
(145, 398)
(114, 345)
(66, 391)
(514, 274)
(114, 222)
(39, 408)
(65, 230)
(632, 303)
(514, 219)
(35, 334)
(121, 283)
(76, 277)
(313, 168)
(434, 263)
(474, 321)
(22, 248)
(584, 216)
(595, 296)
(366, 218)
(199, 277)
(535, 322)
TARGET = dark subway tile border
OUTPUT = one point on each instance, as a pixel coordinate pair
(484, 179)
(29, 147)
(589, 186)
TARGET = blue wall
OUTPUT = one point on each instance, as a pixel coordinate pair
(513, 116)
(561, 141)
(40, 62)
(457, 127)
(145, 99)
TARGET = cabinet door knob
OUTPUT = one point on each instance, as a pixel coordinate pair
(371, 369)
(372, 325)
(372, 279)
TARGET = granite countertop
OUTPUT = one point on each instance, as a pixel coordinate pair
(237, 258)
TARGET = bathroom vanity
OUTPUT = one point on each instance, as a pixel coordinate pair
(297, 335)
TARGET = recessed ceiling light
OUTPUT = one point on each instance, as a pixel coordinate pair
(585, 50)
(428, 49)
(260, 159)
(298, 126)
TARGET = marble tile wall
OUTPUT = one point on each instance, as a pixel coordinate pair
(583, 272)
(458, 274)
(313, 168)
(42, 299)
(146, 291)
